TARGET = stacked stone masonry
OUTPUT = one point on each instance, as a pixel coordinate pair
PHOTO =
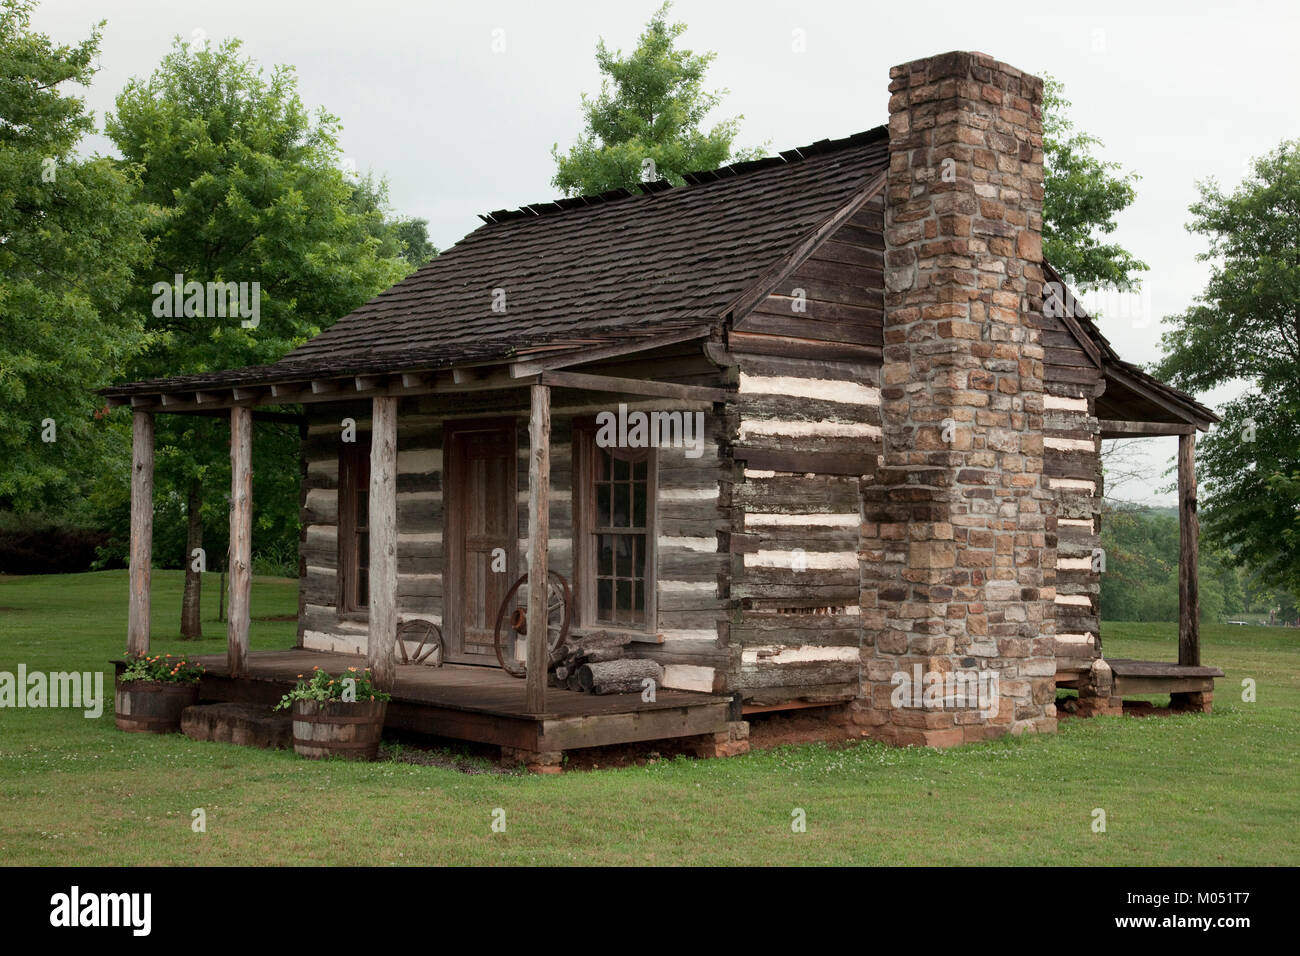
(958, 556)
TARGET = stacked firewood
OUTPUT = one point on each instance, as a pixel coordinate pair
(597, 663)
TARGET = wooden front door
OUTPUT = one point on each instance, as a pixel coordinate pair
(482, 478)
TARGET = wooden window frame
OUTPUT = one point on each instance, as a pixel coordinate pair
(354, 458)
(584, 536)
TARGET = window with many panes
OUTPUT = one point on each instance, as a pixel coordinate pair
(354, 525)
(616, 560)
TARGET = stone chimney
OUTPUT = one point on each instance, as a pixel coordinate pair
(959, 526)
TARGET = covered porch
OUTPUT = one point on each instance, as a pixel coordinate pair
(470, 702)
(1133, 405)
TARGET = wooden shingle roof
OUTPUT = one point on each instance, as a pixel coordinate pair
(624, 259)
(593, 268)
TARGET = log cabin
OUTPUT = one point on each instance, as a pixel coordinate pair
(789, 430)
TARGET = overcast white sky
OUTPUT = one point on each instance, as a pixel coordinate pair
(1177, 91)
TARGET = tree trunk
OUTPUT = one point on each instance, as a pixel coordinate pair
(191, 620)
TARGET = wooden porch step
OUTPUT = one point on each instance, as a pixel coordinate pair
(1160, 677)
(1126, 667)
(253, 725)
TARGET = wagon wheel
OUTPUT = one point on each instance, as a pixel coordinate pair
(512, 619)
(428, 634)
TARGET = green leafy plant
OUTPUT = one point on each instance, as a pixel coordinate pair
(161, 667)
(352, 686)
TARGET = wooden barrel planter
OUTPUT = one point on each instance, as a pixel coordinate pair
(334, 728)
(152, 707)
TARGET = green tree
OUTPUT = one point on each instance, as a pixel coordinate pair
(1082, 195)
(1140, 582)
(70, 235)
(1245, 327)
(245, 186)
(649, 111)
(405, 237)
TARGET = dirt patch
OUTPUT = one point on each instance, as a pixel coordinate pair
(1067, 705)
(627, 755)
(781, 728)
(1144, 708)
(447, 754)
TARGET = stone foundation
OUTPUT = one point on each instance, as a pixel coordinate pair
(535, 761)
(732, 742)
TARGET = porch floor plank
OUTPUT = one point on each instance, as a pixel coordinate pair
(1126, 667)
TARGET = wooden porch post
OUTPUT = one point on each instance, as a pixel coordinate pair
(381, 648)
(539, 532)
(241, 538)
(1189, 628)
(137, 630)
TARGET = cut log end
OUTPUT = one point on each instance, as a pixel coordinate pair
(618, 676)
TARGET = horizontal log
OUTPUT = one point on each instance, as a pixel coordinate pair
(799, 462)
(762, 344)
(633, 386)
(803, 674)
(1110, 428)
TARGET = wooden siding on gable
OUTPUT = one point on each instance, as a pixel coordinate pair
(835, 296)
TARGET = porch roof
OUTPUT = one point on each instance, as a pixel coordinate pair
(410, 371)
(1131, 394)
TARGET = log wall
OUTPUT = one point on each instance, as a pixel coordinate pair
(804, 434)
(690, 522)
(1072, 460)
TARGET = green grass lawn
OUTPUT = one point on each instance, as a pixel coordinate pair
(1196, 789)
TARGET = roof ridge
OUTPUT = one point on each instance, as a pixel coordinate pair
(697, 178)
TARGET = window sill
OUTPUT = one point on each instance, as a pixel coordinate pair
(643, 637)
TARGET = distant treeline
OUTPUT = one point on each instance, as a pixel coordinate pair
(1140, 582)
